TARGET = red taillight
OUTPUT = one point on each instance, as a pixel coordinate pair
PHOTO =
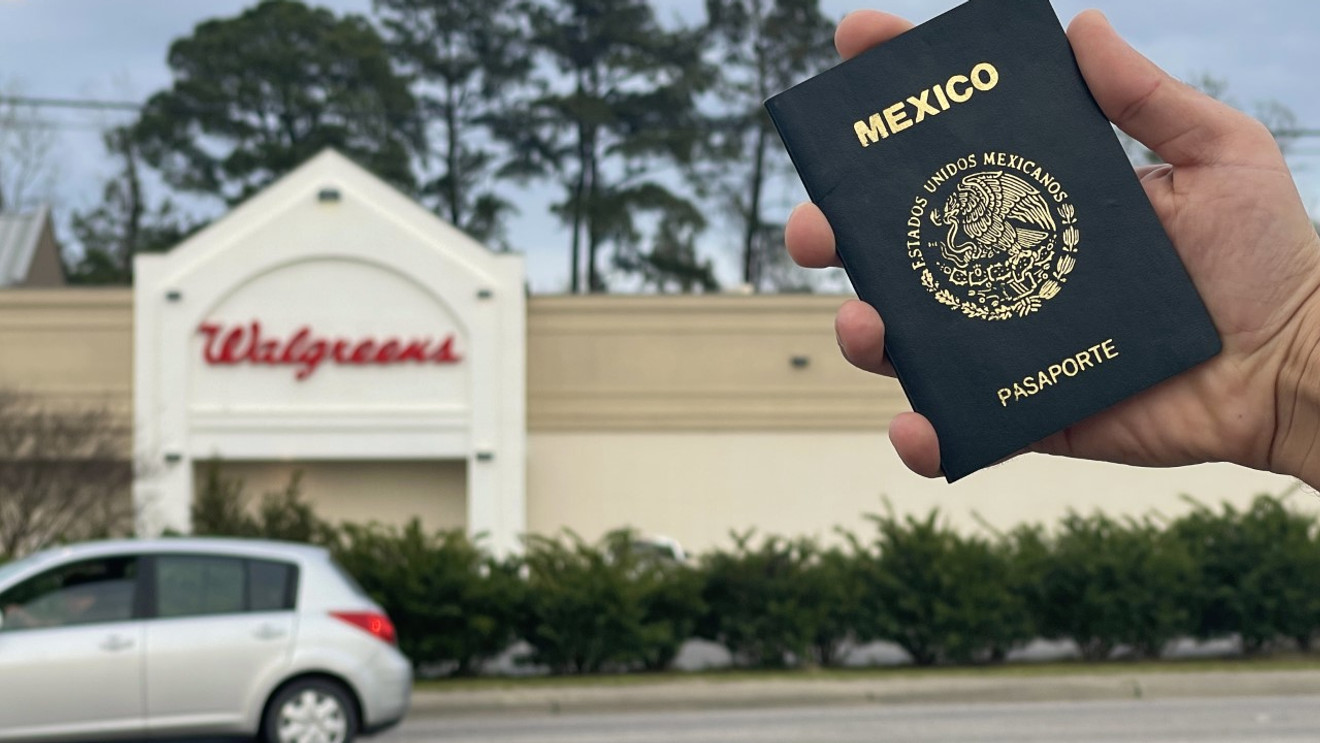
(376, 624)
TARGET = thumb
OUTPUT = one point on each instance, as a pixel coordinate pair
(1176, 121)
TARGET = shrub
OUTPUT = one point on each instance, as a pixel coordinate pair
(670, 596)
(221, 507)
(1102, 583)
(832, 589)
(759, 601)
(589, 608)
(453, 605)
(940, 596)
(1258, 572)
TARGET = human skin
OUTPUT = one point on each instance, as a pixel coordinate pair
(1232, 211)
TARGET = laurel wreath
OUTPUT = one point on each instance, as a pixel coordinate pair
(1058, 276)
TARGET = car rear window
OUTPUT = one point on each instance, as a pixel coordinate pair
(272, 586)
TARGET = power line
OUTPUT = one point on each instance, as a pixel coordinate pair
(86, 104)
(92, 104)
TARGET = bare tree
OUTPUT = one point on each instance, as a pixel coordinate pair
(65, 473)
(27, 145)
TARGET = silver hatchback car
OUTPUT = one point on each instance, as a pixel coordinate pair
(179, 637)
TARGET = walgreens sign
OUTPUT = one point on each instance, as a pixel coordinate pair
(304, 350)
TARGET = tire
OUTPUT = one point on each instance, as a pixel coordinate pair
(310, 711)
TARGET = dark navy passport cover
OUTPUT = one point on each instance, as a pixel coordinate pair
(982, 203)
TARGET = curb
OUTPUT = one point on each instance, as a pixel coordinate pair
(705, 694)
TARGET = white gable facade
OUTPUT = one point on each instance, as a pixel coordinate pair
(330, 319)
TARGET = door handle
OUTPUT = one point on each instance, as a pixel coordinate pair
(115, 643)
(269, 632)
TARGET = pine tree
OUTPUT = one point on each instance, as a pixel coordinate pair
(762, 47)
(628, 107)
(469, 59)
(256, 95)
(123, 224)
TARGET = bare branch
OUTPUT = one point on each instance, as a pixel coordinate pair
(27, 147)
(65, 474)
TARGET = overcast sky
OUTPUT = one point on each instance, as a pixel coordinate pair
(1264, 50)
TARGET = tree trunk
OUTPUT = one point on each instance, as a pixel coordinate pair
(593, 227)
(451, 155)
(752, 258)
(132, 230)
(579, 190)
(453, 193)
(593, 192)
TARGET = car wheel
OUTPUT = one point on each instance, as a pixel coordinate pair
(310, 711)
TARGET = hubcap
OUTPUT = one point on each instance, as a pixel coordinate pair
(312, 717)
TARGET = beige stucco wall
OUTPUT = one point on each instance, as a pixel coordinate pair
(696, 487)
(72, 345)
(683, 416)
(695, 363)
(390, 492)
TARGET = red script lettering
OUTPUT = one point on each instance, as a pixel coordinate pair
(229, 345)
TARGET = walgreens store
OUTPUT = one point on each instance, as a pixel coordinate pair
(331, 326)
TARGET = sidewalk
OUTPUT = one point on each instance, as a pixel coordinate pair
(703, 692)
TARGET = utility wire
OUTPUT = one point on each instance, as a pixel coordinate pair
(91, 104)
(86, 104)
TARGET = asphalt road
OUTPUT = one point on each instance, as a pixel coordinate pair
(1228, 720)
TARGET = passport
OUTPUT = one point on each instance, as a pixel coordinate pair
(982, 203)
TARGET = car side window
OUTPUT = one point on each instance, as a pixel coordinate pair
(84, 592)
(191, 586)
(203, 585)
(272, 586)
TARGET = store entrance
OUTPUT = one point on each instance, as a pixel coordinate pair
(388, 492)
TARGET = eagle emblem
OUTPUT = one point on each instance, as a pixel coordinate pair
(991, 209)
(999, 244)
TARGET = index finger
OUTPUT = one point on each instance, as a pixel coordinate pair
(862, 29)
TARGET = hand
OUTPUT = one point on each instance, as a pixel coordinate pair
(1229, 204)
(17, 618)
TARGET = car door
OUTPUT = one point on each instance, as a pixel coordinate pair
(71, 651)
(221, 628)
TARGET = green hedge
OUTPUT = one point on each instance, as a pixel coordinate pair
(940, 596)
(760, 601)
(453, 605)
(588, 608)
(1257, 573)
(1103, 583)
(943, 596)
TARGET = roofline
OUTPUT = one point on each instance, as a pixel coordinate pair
(162, 545)
(40, 222)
